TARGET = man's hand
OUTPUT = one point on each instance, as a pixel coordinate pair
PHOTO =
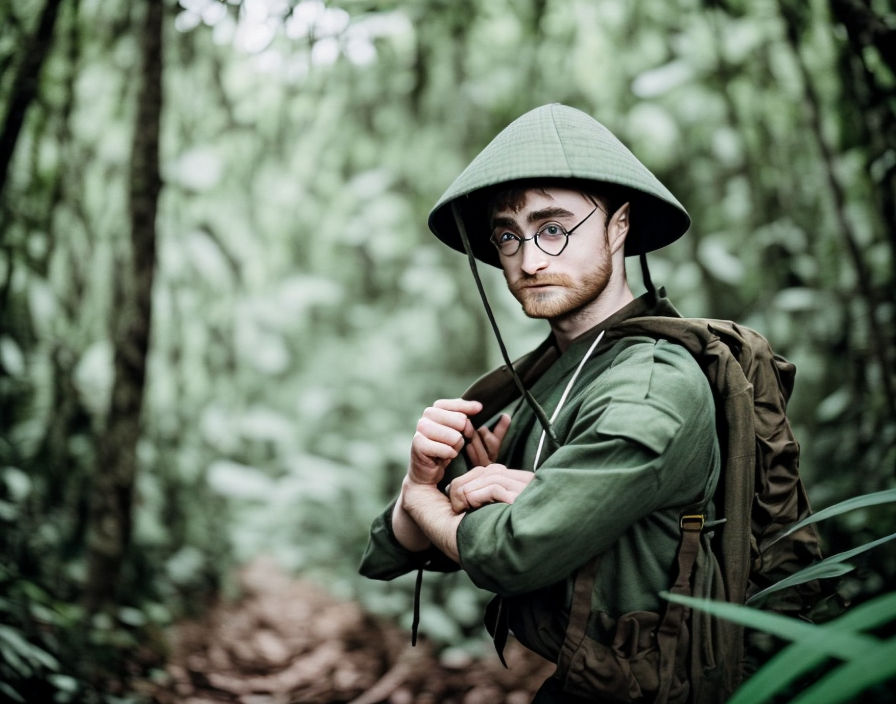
(441, 435)
(487, 485)
(423, 515)
(485, 443)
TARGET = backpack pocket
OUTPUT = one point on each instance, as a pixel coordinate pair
(629, 668)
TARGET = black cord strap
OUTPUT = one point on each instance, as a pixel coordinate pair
(533, 404)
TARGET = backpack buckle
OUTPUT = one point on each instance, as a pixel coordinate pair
(692, 522)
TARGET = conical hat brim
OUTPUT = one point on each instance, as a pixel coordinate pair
(559, 142)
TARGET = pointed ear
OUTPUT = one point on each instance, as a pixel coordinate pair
(617, 228)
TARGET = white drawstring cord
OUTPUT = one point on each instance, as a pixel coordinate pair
(565, 394)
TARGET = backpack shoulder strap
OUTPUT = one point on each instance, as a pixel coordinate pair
(713, 344)
(497, 389)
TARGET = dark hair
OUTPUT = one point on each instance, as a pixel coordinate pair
(510, 195)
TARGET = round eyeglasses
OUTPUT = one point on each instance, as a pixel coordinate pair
(551, 238)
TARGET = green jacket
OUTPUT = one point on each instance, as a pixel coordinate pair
(637, 444)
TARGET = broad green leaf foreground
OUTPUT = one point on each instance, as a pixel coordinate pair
(832, 566)
(795, 660)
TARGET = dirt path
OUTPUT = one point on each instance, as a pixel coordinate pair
(289, 642)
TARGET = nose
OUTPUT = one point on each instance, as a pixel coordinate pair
(532, 259)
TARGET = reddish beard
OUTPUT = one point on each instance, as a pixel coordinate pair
(565, 299)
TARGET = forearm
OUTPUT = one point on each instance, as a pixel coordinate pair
(430, 510)
(405, 528)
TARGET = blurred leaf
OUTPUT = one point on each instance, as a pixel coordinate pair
(131, 616)
(24, 655)
(64, 683)
(8, 512)
(719, 261)
(834, 406)
(856, 502)
(198, 169)
(239, 481)
(8, 691)
(17, 483)
(795, 660)
(11, 357)
(437, 624)
(843, 683)
(185, 565)
(93, 377)
(662, 79)
(820, 570)
(796, 299)
(821, 639)
(829, 567)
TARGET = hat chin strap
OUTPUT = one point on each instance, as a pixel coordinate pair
(533, 404)
(648, 281)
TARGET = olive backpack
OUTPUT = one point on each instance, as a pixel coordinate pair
(685, 655)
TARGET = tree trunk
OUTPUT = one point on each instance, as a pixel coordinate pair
(109, 531)
(25, 84)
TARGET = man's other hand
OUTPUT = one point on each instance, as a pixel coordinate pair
(487, 485)
(485, 443)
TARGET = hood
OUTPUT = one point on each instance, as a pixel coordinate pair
(559, 142)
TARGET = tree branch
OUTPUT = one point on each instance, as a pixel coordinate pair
(25, 84)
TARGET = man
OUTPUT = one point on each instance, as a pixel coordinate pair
(572, 520)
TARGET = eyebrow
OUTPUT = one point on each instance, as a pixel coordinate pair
(534, 216)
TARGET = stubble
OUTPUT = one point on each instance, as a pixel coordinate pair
(565, 297)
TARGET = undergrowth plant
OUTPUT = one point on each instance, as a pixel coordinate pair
(861, 659)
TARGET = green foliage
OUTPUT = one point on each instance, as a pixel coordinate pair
(833, 565)
(867, 660)
(50, 650)
(302, 314)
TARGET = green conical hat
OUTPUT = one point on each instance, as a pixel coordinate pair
(559, 142)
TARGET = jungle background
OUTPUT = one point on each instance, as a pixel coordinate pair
(222, 312)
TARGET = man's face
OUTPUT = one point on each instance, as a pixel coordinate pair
(554, 287)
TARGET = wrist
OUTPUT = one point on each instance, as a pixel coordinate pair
(405, 528)
(426, 507)
(411, 488)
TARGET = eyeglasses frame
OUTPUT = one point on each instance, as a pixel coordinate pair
(534, 237)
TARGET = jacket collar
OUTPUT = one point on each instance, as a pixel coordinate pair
(496, 390)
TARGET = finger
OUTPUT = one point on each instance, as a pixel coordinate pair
(490, 443)
(458, 500)
(485, 489)
(477, 451)
(493, 493)
(520, 475)
(492, 438)
(501, 427)
(465, 478)
(451, 419)
(423, 447)
(456, 489)
(506, 481)
(460, 405)
(440, 433)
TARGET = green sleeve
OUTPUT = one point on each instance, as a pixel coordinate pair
(386, 558)
(637, 438)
